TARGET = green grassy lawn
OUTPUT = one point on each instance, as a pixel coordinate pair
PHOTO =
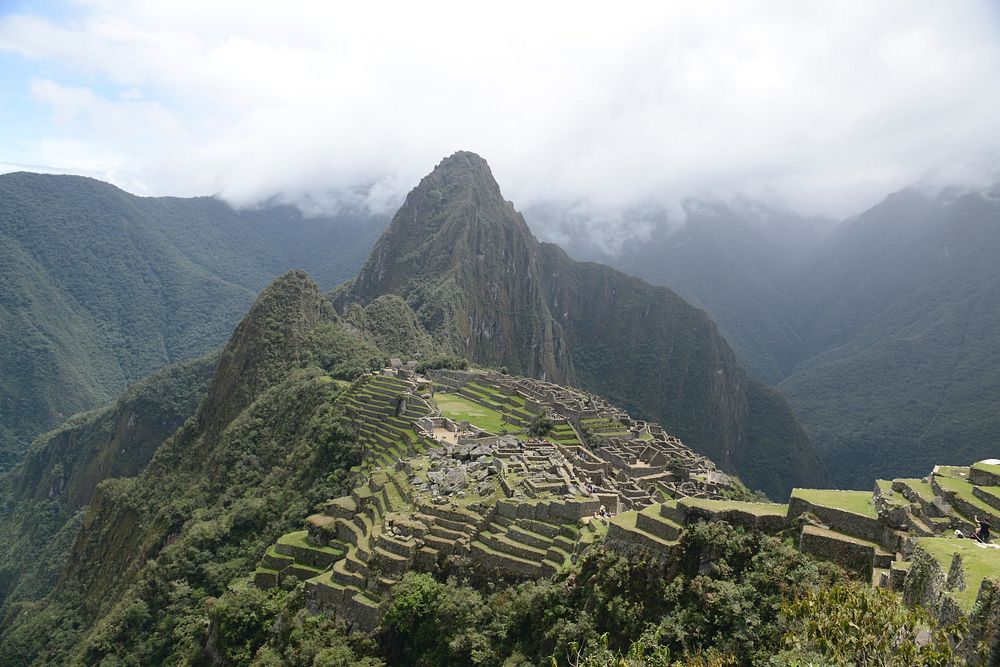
(298, 539)
(758, 509)
(885, 488)
(856, 502)
(988, 467)
(956, 472)
(459, 408)
(978, 560)
(920, 486)
(963, 489)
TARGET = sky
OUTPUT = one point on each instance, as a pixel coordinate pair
(822, 107)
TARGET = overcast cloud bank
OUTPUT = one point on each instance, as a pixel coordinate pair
(823, 107)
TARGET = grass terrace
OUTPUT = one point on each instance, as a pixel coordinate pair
(922, 488)
(963, 490)
(979, 562)
(757, 509)
(856, 502)
(955, 472)
(563, 434)
(606, 428)
(991, 468)
(459, 408)
(298, 539)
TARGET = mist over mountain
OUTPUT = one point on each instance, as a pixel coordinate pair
(736, 259)
(99, 288)
(879, 332)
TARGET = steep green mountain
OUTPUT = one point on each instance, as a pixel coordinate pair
(42, 498)
(98, 288)
(266, 443)
(902, 320)
(465, 261)
(736, 260)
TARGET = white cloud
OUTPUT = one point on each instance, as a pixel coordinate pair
(825, 106)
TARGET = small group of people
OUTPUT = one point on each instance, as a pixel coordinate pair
(982, 533)
(603, 513)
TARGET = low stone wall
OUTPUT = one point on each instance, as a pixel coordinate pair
(984, 626)
(963, 505)
(927, 585)
(981, 477)
(568, 511)
(489, 440)
(849, 523)
(630, 543)
(987, 497)
(852, 556)
(498, 563)
(765, 523)
(533, 406)
(926, 582)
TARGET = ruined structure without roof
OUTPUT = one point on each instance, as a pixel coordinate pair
(452, 481)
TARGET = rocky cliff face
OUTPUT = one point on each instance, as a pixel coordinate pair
(466, 262)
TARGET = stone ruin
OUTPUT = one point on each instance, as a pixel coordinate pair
(636, 461)
(443, 496)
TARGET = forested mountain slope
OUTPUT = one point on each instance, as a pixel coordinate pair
(99, 288)
(265, 444)
(881, 335)
(42, 499)
(737, 260)
(902, 325)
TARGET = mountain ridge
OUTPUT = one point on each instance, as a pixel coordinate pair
(99, 288)
(468, 265)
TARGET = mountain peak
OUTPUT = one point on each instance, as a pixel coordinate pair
(455, 179)
(272, 333)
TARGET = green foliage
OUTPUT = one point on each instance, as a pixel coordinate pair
(540, 426)
(447, 361)
(99, 288)
(852, 623)
(901, 338)
(428, 624)
(268, 443)
(302, 639)
(342, 353)
(242, 621)
(396, 330)
(719, 603)
(42, 496)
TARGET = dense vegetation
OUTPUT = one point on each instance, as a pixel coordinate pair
(882, 336)
(158, 564)
(151, 552)
(41, 500)
(484, 287)
(904, 321)
(729, 598)
(99, 288)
